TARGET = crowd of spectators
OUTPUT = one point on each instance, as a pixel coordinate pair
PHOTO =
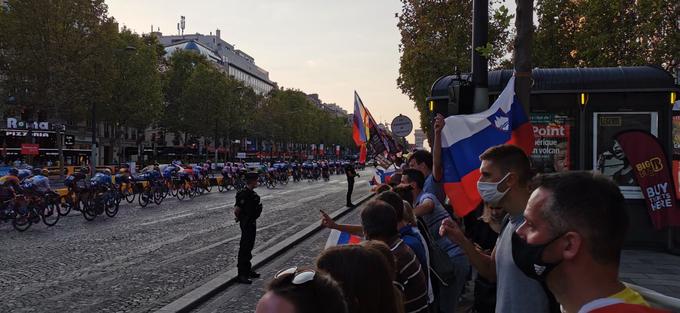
(546, 243)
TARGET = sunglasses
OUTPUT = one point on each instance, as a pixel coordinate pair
(300, 278)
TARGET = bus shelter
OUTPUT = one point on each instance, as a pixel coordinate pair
(576, 112)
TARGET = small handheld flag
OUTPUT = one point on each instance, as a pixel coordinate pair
(337, 238)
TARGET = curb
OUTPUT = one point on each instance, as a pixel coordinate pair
(196, 297)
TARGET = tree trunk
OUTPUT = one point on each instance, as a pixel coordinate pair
(522, 54)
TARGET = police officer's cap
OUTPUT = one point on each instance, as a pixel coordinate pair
(251, 175)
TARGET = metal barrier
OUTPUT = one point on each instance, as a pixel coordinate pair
(656, 299)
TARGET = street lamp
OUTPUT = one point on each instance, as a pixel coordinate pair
(93, 156)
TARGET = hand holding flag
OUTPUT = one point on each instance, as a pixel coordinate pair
(465, 137)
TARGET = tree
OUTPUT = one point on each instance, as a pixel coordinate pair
(180, 67)
(522, 52)
(435, 39)
(137, 100)
(571, 33)
(57, 55)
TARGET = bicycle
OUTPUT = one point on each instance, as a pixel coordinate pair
(226, 184)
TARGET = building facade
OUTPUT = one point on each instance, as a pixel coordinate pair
(331, 108)
(420, 139)
(236, 63)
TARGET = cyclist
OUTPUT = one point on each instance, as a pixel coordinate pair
(228, 173)
(170, 170)
(24, 173)
(123, 175)
(151, 168)
(9, 186)
(198, 171)
(325, 171)
(76, 183)
(207, 167)
(39, 181)
(102, 178)
(11, 179)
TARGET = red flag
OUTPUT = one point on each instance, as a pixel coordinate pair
(362, 154)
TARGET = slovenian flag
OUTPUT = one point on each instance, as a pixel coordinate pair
(382, 176)
(337, 238)
(466, 137)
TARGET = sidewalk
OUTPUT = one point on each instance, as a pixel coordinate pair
(653, 270)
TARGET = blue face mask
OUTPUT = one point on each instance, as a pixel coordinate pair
(489, 191)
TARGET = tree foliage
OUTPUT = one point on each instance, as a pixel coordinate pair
(607, 33)
(56, 56)
(289, 117)
(138, 98)
(436, 37)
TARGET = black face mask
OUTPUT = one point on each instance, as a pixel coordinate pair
(529, 258)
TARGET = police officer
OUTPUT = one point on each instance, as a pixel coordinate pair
(351, 173)
(247, 209)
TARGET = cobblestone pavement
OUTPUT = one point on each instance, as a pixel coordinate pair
(243, 298)
(145, 258)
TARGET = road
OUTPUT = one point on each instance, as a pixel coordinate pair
(243, 298)
(145, 258)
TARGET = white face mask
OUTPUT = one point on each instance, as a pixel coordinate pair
(489, 191)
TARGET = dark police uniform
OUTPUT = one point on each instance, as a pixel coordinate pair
(350, 172)
(251, 208)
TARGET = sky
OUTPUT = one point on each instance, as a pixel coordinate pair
(327, 47)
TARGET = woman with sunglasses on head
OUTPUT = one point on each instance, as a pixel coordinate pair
(302, 291)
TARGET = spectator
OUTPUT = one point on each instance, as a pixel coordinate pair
(406, 193)
(408, 231)
(572, 238)
(428, 207)
(504, 182)
(421, 160)
(302, 291)
(379, 221)
(364, 276)
(484, 235)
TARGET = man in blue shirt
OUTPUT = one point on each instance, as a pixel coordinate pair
(421, 160)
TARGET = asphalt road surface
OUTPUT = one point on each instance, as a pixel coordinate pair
(145, 258)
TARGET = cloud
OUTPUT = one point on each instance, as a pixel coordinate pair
(312, 63)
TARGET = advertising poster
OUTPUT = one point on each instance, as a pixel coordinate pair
(609, 158)
(553, 142)
(676, 151)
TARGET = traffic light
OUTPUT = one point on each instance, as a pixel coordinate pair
(451, 95)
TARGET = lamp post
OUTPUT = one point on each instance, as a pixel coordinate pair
(93, 156)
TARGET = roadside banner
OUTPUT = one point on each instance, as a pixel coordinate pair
(653, 174)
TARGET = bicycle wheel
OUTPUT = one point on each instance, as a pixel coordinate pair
(111, 208)
(158, 196)
(22, 222)
(191, 191)
(50, 214)
(144, 198)
(206, 183)
(181, 193)
(88, 210)
(65, 205)
(129, 194)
